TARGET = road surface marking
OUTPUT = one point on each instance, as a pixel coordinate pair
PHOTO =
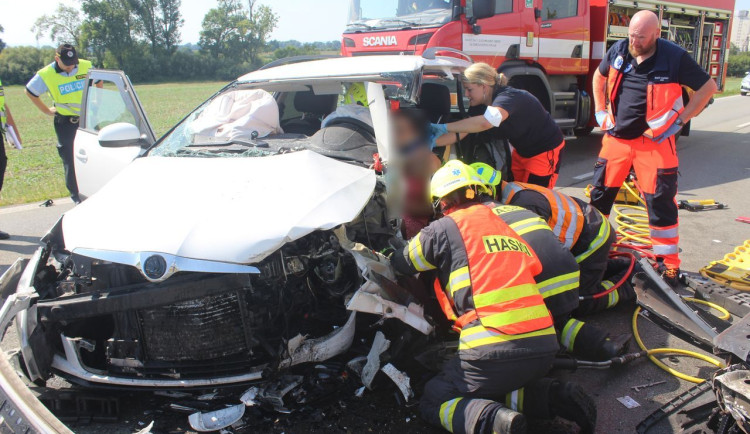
(744, 125)
(584, 176)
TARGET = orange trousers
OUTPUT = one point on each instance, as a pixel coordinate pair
(541, 169)
(655, 168)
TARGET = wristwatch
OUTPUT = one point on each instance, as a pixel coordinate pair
(679, 122)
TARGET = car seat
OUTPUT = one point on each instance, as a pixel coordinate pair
(314, 108)
(435, 100)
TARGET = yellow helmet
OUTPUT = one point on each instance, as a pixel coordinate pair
(452, 176)
(489, 176)
(356, 94)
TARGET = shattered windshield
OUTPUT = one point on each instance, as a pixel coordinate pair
(391, 14)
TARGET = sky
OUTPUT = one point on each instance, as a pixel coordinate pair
(303, 20)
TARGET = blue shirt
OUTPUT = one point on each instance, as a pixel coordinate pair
(36, 85)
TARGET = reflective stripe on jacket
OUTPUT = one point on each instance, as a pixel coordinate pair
(485, 280)
(559, 280)
(66, 92)
(664, 94)
(567, 218)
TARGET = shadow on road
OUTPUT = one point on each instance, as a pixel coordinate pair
(707, 158)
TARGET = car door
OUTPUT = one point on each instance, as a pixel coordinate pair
(108, 98)
(563, 36)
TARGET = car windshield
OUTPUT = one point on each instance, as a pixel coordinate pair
(391, 14)
(245, 121)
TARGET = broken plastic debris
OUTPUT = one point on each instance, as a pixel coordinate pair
(248, 398)
(360, 392)
(628, 402)
(379, 345)
(323, 348)
(216, 420)
(364, 300)
(401, 380)
(147, 429)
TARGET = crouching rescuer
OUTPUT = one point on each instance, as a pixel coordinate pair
(485, 285)
(558, 282)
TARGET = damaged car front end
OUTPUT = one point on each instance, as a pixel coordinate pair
(213, 261)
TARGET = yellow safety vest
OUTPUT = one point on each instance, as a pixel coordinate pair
(3, 120)
(66, 92)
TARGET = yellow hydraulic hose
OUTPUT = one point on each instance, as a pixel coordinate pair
(660, 364)
(632, 220)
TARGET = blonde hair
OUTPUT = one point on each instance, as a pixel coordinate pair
(482, 73)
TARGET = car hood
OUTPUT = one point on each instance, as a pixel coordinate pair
(236, 210)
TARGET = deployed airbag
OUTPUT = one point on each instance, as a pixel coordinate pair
(242, 113)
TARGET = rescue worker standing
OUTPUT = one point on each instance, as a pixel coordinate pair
(6, 120)
(512, 114)
(638, 100)
(558, 281)
(485, 285)
(64, 80)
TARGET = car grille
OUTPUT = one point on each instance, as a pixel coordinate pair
(202, 329)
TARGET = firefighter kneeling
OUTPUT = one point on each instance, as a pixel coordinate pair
(485, 285)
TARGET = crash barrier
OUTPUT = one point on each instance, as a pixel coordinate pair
(733, 270)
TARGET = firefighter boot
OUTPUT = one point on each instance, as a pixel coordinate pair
(590, 342)
(548, 398)
(508, 421)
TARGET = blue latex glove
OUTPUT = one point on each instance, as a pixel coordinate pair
(435, 131)
(601, 116)
(671, 131)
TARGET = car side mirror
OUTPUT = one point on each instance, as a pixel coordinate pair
(482, 9)
(120, 135)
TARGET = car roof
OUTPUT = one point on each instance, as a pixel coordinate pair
(357, 68)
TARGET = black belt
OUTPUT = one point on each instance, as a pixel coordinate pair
(71, 119)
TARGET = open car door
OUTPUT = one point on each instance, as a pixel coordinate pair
(113, 130)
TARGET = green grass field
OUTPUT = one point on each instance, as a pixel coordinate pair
(732, 87)
(35, 173)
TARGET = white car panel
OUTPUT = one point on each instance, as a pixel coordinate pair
(236, 210)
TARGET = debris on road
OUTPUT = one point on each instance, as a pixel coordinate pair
(216, 420)
(644, 386)
(401, 380)
(628, 402)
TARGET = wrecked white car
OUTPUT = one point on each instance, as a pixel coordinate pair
(241, 243)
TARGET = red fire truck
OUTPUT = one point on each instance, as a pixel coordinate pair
(549, 47)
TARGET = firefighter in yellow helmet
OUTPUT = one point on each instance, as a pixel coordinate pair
(559, 280)
(485, 286)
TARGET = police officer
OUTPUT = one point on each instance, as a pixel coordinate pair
(6, 120)
(638, 100)
(559, 280)
(485, 285)
(63, 80)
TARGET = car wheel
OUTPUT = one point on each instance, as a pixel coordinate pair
(743, 93)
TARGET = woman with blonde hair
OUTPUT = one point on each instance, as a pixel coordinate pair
(512, 114)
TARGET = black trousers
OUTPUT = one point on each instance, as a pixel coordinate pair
(66, 128)
(3, 160)
(465, 396)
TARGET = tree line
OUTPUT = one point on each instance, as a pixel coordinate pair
(142, 37)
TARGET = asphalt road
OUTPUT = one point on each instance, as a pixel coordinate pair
(714, 163)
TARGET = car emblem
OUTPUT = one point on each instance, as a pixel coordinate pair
(154, 267)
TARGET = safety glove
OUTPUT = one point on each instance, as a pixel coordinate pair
(671, 131)
(601, 118)
(434, 131)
